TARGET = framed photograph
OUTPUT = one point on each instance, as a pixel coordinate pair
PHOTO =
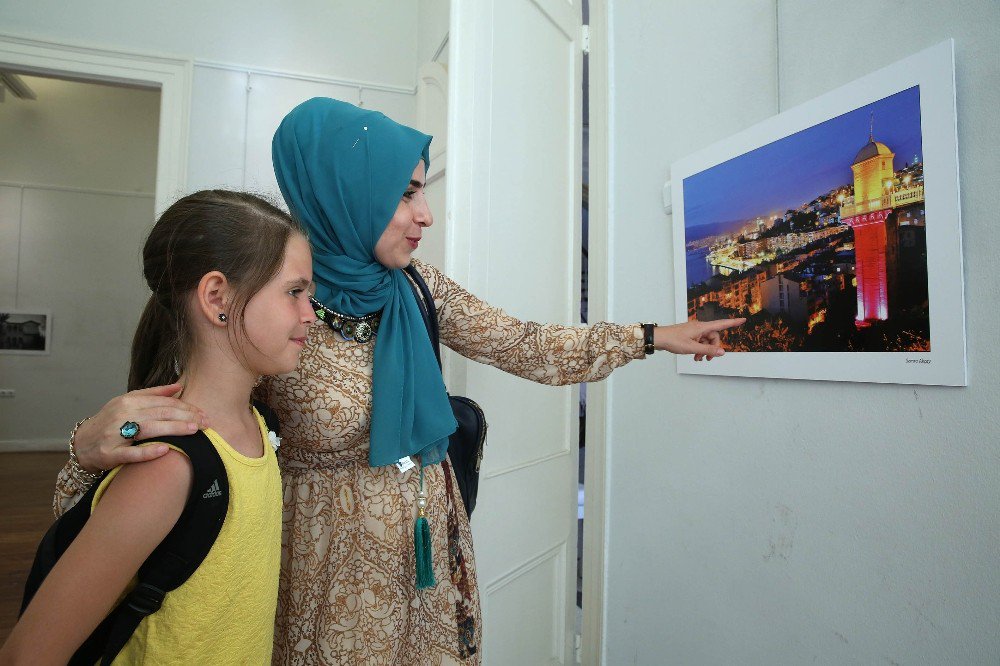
(834, 228)
(25, 331)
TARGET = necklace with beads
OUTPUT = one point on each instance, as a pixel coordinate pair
(357, 329)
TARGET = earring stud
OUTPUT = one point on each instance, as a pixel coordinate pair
(222, 317)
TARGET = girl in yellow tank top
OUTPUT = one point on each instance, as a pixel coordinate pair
(230, 275)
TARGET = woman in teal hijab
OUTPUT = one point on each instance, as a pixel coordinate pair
(365, 417)
(342, 171)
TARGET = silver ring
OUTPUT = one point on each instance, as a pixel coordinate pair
(129, 430)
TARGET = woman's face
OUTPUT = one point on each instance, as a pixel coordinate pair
(402, 236)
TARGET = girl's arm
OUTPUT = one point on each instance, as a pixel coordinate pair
(138, 509)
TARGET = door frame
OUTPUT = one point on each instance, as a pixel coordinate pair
(598, 306)
(171, 76)
(470, 84)
(592, 650)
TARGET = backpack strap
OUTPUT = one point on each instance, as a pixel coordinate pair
(180, 553)
(465, 445)
(270, 418)
(425, 300)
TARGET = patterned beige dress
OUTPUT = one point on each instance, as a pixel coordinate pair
(347, 593)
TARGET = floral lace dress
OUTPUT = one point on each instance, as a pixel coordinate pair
(347, 592)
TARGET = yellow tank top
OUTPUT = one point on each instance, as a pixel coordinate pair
(223, 613)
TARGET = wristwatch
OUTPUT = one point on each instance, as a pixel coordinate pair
(647, 339)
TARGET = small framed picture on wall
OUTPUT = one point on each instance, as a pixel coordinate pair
(27, 332)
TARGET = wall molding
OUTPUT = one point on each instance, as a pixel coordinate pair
(33, 445)
(558, 555)
(314, 78)
(565, 451)
(76, 190)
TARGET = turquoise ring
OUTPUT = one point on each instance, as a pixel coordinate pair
(129, 430)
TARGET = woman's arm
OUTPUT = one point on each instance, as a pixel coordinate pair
(138, 508)
(99, 444)
(70, 487)
(550, 353)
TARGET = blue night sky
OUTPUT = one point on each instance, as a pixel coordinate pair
(798, 168)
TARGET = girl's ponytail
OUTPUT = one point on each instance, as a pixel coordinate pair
(155, 348)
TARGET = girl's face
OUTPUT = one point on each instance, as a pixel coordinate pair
(402, 236)
(278, 316)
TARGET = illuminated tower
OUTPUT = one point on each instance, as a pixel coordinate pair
(866, 213)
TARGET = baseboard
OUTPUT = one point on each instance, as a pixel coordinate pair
(32, 445)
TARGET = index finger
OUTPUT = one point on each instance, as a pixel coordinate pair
(723, 324)
(169, 390)
(157, 402)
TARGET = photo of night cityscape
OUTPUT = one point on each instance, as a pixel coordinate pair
(819, 238)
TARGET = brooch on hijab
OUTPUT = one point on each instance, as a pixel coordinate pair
(358, 329)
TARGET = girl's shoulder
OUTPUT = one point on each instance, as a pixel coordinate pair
(165, 480)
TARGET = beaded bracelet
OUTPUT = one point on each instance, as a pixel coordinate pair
(74, 462)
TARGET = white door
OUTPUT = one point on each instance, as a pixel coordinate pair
(513, 239)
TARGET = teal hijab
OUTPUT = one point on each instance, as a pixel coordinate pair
(342, 171)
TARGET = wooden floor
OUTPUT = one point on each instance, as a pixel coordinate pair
(26, 483)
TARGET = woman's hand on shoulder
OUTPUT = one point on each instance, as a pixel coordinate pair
(100, 445)
(700, 338)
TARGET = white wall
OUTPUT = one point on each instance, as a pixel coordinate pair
(77, 174)
(372, 41)
(252, 63)
(80, 135)
(786, 522)
(433, 21)
(235, 111)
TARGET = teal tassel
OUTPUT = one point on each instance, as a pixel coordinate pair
(422, 541)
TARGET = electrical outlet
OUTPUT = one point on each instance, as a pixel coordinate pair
(6, 393)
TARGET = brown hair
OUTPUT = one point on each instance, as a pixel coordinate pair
(238, 234)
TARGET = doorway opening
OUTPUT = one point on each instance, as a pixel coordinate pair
(584, 246)
(77, 196)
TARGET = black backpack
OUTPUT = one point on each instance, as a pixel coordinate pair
(172, 562)
(467, 443)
